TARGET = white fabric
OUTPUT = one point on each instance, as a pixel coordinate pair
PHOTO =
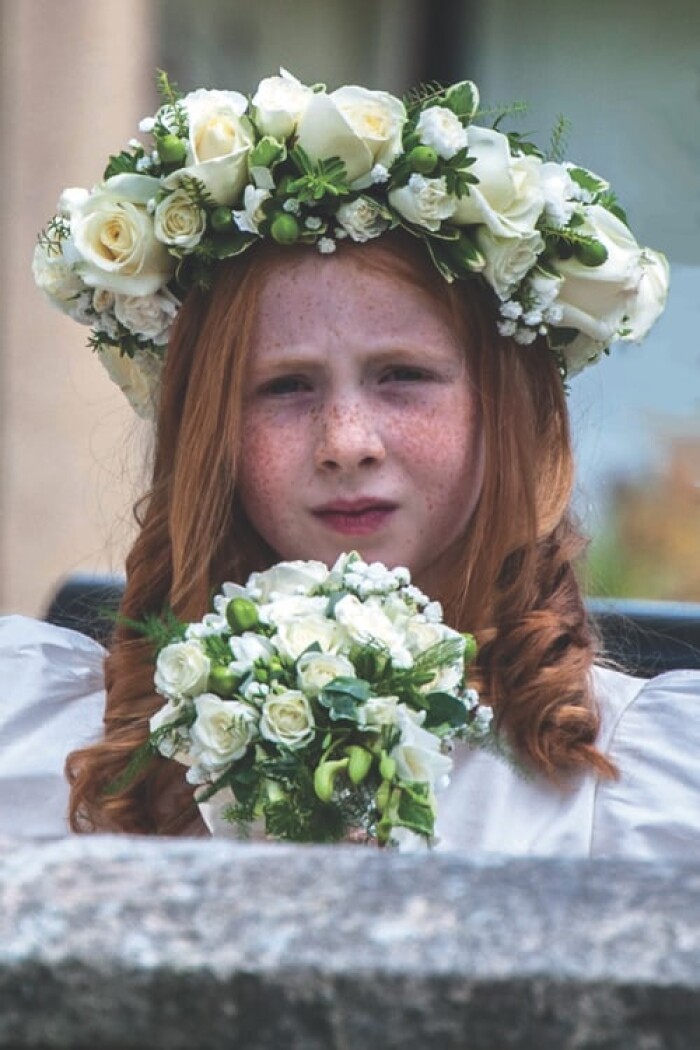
(51, 701)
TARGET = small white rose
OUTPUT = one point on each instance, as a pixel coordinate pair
(361, 127)
(220, 139)
(380, 711)
(424, 202)
(148, 316)
(174, 745)
(113, 235)
(508, 197)
(221, 732)
(442, 129)
(287, 577)
(55, 276)
(182, 669)
(367, 624)
(508, 259)
(279, 103)
(287, 719)
(316, 670)
(290, 607)
(627, 291)
(418, 755)
(362, 219)
(294, 636)
(247, 648)
(249, 218)
(179, 222)
(137, 377)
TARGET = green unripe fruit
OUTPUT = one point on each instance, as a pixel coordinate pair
(591, 253)
(285, 229)
(387, 767)
(470, 648)
(383, 795)
(171, 149)
(221, 219)
(423, 159)
(242, 615)
(324, 778)
(359, 764)
(222, 681)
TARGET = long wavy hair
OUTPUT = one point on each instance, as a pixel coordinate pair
(513, 582)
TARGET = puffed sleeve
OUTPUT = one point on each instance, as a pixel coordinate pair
(653, 809)
(51, 701)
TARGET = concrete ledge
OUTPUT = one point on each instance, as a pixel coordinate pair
(121, 943)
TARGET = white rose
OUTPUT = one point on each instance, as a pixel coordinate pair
(289, 607)
(361, 127)
(422, 635)
(138, 378)
(632, 283)
(287, 719)
(148, 316)
(221, 732)
(247, 648)
(249, 218)
(362, 219)
(418, 755)
(381, 711)
(508, 259)
(182, 669)
(279, 103)
(442, 129)
(508, 197)
(55, 276)
(367, 624)
(294, 636)
(287, 577)
(219, 142)
(424, 202)
(179, 222)
(316, 670)
(114, 237)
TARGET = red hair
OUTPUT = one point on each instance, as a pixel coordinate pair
(513, 583)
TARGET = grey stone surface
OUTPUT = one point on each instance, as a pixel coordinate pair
(123, 943)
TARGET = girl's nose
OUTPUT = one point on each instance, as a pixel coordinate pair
(349, 437)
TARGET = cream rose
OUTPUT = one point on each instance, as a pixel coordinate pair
(178, 221)
(114, 238)
(508, 259)
(182, 669)
(508, 197)
(418, 755)
(361, 127)
(367, 624)
(627, 291)
(294, 636)
(219, 142)
(148, 316)
(138, 378)
(287, 719)
(279, 103)
(287, 577)
(221, 732)
(442, 129)
(316, 670)
(424, 202)
(361, 219)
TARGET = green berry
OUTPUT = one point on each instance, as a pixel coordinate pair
(423, 159)
(222, 681)
(591, 253)
(242, 615)
(171, 149)
(285, 229)
(222, 219)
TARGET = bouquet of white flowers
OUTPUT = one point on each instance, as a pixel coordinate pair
(321, 701)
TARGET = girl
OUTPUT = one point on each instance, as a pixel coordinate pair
(352, 397)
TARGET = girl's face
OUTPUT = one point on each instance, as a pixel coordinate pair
(360, 428)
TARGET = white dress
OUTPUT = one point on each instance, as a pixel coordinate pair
(51, 701)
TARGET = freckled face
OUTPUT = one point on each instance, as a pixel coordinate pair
(361, 428)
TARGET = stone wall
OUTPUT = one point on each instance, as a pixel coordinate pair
(120, 943)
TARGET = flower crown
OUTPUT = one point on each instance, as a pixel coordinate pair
(299, 164)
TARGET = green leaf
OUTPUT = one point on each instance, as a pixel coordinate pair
(443, 709)
(415, 809)
(463, 99)
(121, 164)
(343, 697)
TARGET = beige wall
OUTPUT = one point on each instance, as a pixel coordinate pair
(76, 77)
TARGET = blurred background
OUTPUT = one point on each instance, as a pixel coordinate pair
(77, 76)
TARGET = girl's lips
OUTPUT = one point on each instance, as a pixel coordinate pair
(355, 519)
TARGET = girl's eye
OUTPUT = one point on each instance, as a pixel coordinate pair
(404, 374)
(285, 385)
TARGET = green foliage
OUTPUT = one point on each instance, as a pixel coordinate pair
(558, 139)
(317, 179)
(55, 231)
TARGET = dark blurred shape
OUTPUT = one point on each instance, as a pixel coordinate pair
(644, 638)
